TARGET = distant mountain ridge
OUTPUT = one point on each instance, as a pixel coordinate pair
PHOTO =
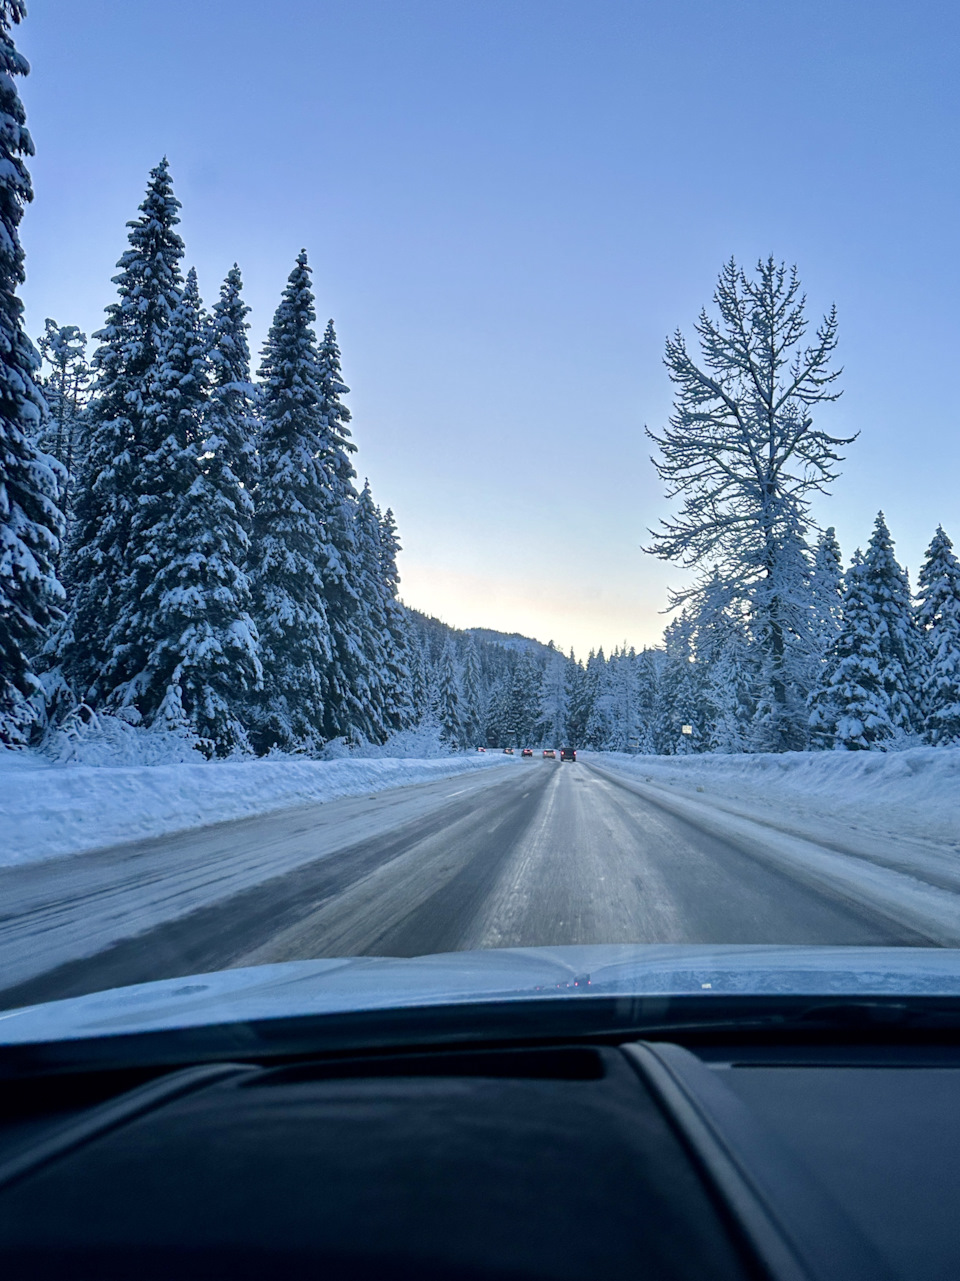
(512, 640)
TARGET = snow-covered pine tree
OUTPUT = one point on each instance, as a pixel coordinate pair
(850, 710)
(30, 521)
(626, 719)
(728, 698)
(497, 730)
(370, 692)
(232, 425)
(400, 707)
(600, 730)
(349, 680)
(474, 704)
(65, 390)
(826, 592)
(553, 710)
(203, 664)
(742, 451)
(682, 699)
(826, 609)
(419, 672)
(290, 547)
(781, 723)
(898, 637)
(939, 617)
(722, 649)
(144, 641)
(524, 700)
(100, 553)
(583, 692)
(447, 706)
(572, 696)
(647, 676)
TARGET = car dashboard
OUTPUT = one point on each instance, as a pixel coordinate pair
(694, 1156)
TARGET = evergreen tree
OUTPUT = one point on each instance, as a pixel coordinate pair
(625, 718)
(783, 648)
(473, 701)
(149, 619)
(102, 558)
(30, 520)
(583, 692)
(851, 709)
(600, 727)
(648, 666)
(419, 672)
(524, 700)
(742, 451)
(722, 648)
(290, 548)
(682, 699)
(232, 427)
(899, 643)
(939, 617)
(499, 729)
(553, 710)
(399, 681)
(202, 663)
(448, 696)
(349, 678)
(728, 697)
(826, 602)
(370, 692)
(63, 347)
(826, 593)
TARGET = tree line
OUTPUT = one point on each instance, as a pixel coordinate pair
(883, 665)
(774, 647)
(183, 545)
(883, 670)
(222, 575)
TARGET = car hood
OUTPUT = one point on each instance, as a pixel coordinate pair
(345, 984)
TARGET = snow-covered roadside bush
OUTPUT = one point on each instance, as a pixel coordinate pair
(89, 738)
(424, 742)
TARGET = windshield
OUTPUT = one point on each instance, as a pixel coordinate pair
(482, 480)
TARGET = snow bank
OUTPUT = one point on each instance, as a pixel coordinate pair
(914, 793)
(49, 809)
(422, 743)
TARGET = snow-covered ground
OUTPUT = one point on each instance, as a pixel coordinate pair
(49, 809)
(912, 794)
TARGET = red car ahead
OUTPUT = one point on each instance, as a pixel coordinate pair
(527, 751)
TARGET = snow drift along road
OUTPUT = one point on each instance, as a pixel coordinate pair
(914, 794)
(47, 811)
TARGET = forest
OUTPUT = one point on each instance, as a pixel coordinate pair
(185, 544)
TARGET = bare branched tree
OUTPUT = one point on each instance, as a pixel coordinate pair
(742, 452)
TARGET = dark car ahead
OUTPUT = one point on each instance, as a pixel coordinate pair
(527, 751)
(568, 753)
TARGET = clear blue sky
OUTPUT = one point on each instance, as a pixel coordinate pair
(507, 207)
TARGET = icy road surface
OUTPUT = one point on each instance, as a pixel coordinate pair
(540, 854)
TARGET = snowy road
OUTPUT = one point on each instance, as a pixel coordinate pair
(538, 853)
